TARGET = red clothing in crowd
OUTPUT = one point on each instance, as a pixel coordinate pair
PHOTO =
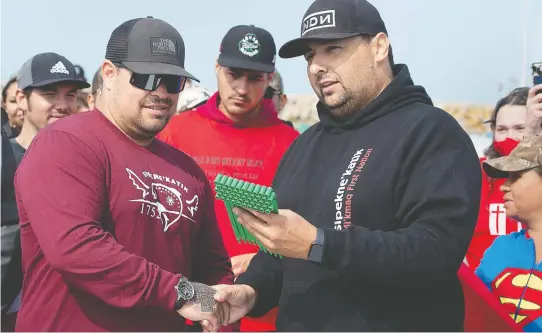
(107, 229)
(249, 153)
(492, 220)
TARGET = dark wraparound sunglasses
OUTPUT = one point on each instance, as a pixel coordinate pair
(150, 82)
(270, 92)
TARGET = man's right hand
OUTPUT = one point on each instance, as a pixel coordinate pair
(533, 122)
(203, 307)
(240, 298)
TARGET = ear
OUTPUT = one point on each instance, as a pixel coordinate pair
(381, 45)
(22, 101)
(109, 74)
(217, 67)
(283, 101)
(90, 101)
(270, 77)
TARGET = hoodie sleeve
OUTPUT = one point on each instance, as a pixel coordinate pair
(264, 275)
(437, 200)
(213, 265)
(62, 202)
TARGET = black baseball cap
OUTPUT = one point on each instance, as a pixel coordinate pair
(248, 47)
(334, 19)
(48, 68)
(148, 46)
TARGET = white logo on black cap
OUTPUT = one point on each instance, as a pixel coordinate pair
(318, 20)
(59, 68)
(163, 46)
(249, 45)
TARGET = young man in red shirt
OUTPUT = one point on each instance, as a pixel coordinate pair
(115, 224)
(237, 132)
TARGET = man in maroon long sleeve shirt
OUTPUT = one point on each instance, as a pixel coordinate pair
(114, 224)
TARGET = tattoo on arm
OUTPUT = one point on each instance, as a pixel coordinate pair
(204, 295)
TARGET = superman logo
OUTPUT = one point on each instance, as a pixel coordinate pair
(513, 284)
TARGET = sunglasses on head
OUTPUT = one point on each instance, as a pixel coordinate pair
(174, 84)
(270, 92)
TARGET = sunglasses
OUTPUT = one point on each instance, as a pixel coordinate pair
(174, 84)
(270, 92)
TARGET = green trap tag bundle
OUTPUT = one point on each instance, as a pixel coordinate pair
(238, 193)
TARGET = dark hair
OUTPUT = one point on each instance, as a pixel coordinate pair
(517, 96)
(97, 82)
(368, 38)
(27, 92)
(538, 170)
(82, 99)
(6, 87)
(4, 116)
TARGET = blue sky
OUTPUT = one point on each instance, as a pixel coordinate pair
(461, 51)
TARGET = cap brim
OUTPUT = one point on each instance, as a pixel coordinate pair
(502, 166)
(298, 47)
(243, 64)
(80, 84)
(157, 68)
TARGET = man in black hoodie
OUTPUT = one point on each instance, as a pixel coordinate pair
(379, 200)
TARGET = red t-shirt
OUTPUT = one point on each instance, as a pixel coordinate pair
(492, 220)
(108, 226)
(249, 153)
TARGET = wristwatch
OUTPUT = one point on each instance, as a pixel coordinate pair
(185, 292)
(316, 252)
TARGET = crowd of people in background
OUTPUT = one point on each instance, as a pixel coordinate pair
(109, 220)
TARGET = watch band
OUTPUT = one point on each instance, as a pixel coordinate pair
(179, 303)
(316, 251)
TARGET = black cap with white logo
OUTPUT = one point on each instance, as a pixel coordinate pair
(48, 68)
(248, 47)
(148, 46)
(334, 19)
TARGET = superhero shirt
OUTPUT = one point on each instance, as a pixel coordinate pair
(510, 271)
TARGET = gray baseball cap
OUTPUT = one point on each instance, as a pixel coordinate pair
(48, 68)
(148, 46)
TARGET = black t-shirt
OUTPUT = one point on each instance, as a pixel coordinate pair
(12, 277)
(17, 149)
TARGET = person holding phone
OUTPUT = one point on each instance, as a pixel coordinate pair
(534, 103)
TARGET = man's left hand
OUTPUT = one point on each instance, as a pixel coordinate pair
(285, 233)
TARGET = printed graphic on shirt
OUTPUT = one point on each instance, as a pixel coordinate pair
(498, 222)
(163, 202)
(243, 168)
(345, 191)
(520, 292)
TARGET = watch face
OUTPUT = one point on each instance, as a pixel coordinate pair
(185, 290)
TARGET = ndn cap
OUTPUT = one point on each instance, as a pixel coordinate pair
(527, 155)
(148, 46)
(248, 47)
(48, 68)
(334, 19)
